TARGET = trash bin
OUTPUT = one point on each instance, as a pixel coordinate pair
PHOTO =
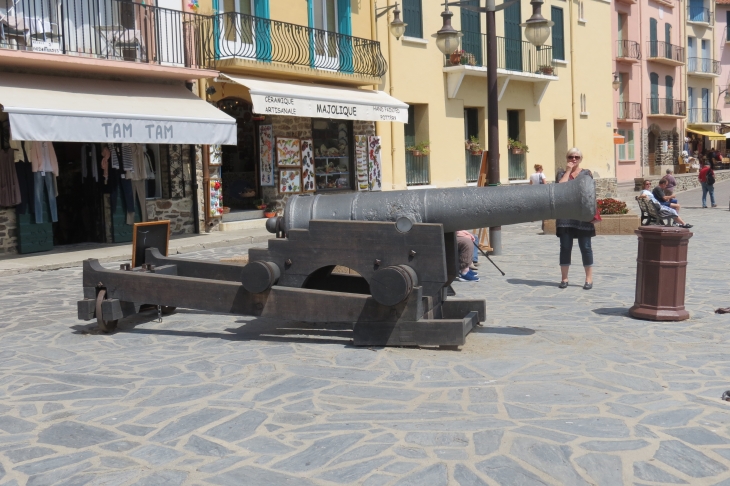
(661, 273)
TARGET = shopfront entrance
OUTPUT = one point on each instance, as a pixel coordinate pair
(239, 169)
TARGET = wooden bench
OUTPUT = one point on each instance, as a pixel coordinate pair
(650, 213)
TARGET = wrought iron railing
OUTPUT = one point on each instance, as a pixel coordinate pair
(417, 169)
(626, 49)
(704, 115)
(703, 65)
(517, 167)
(473, 166)
(666, 107)
(512, 55)
(699, 14)
(239, 36)
(629, 111)
(104, 29)
(664, 50)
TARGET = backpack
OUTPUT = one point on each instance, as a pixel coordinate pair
(710, 178)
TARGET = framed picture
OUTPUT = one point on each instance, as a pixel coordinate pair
(361, 162)
(154, 234)
(266, 143)
(374, 164)
(216, 155)
(288, 152)
(290, 181)
(307, 166)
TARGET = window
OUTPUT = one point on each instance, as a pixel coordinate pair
(236, 23)
(583, 104)
(626, 150)
(727, 20)
(412, 15)
(581, 12)
(558, 34)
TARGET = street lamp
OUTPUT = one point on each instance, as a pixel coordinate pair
(726, 99)
(616, 84)
(537, 31)
(397, 26)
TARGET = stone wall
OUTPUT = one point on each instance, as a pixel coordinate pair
(685, 182)
(8, 231)
(606, 187)
(178, 211)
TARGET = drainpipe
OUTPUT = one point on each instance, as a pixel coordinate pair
(391, 90)
(572, 68)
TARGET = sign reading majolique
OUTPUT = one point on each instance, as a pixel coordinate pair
(292, 106)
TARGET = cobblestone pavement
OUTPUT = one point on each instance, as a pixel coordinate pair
(560, 387)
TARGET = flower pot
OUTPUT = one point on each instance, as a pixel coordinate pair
(547, 71)
(269, 214)
(517, 151)
(261, 207)
(455, 59)
(476, 152)
(417, 153)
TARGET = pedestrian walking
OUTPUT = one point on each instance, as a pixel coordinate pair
(671, 181)
(538, 177)
(707, 180)
(569, 229)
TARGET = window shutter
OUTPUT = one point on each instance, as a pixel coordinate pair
(556, 14)
(412, 15)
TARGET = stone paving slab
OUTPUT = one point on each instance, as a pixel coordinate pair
(560, 387)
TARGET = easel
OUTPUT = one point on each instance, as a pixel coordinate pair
(483, 233)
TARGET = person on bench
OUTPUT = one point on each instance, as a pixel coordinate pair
(664, 211)
(659, 193)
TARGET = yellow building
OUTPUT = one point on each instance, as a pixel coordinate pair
(550, 99)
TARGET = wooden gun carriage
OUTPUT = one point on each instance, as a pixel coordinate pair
(401, 244)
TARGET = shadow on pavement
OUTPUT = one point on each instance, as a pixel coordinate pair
(511, 331)
(531, 283)
(612, 311)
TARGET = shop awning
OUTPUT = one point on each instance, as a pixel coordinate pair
(270, 97)
(57, 109)
(705, 133)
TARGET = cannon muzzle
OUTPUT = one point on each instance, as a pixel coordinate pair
(456, 208)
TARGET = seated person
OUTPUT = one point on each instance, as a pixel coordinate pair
(673, 203)
(664, 211)
(659, 193)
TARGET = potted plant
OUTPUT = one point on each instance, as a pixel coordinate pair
(455, 57)
(259, 204)
(474, 147)
(547, 70)
(270, 210)
(468, 58)
(517, 147)
(420, 149)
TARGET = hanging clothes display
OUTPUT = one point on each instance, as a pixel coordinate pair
(105, 156)
(45, 170)
(9, 186)
(24, 171)
(88, 159)
(138, 177)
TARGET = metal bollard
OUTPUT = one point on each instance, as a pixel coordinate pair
(661, 273)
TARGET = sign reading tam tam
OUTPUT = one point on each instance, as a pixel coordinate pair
(270, 97)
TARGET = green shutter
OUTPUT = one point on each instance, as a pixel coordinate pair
(558, 33)
(413, 16)
(630, 144)
(472, 29)
(622, 147)
(653, 46)
(513, 37)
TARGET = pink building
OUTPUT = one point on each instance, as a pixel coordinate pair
(722, 51)
(650, 105)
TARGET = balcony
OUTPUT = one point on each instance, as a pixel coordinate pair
(700, 15)
(473, 166)
(516, 60)
(629, 112)
(699, 66)
(665, 53)
(666, 108)
(245, 43)
(704, 116)
(417, 170)
(628, 51)
(92, 36)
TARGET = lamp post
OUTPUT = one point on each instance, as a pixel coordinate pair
(537, 31)
(397, 26)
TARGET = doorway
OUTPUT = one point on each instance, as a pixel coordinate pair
(516, 159)
(239, 170)
(560, 136)
(652, 143)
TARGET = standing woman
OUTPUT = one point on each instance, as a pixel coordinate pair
(569, 229)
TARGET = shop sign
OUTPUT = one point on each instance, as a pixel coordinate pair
(47, 46)
(292, 106)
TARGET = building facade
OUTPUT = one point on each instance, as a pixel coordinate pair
(722, 41)
(550, 99)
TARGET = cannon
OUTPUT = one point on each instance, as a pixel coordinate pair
(399, 248)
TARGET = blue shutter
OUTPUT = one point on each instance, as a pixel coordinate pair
(262, 29)
(344, 27)
(413, 16)
(556, 15)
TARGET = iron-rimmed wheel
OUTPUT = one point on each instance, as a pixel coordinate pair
(104, 326)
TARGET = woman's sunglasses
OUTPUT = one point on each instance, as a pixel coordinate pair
(577, 157)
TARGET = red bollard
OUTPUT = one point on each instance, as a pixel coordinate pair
(661, 273)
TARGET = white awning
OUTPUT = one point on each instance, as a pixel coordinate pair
(57, 109)
(270, 97)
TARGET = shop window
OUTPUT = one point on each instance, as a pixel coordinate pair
(154, 174)
(333, 160)
(626, 150)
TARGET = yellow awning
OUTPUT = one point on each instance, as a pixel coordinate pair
(705, 133)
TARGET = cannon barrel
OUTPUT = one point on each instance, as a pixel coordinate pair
(456, 208)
